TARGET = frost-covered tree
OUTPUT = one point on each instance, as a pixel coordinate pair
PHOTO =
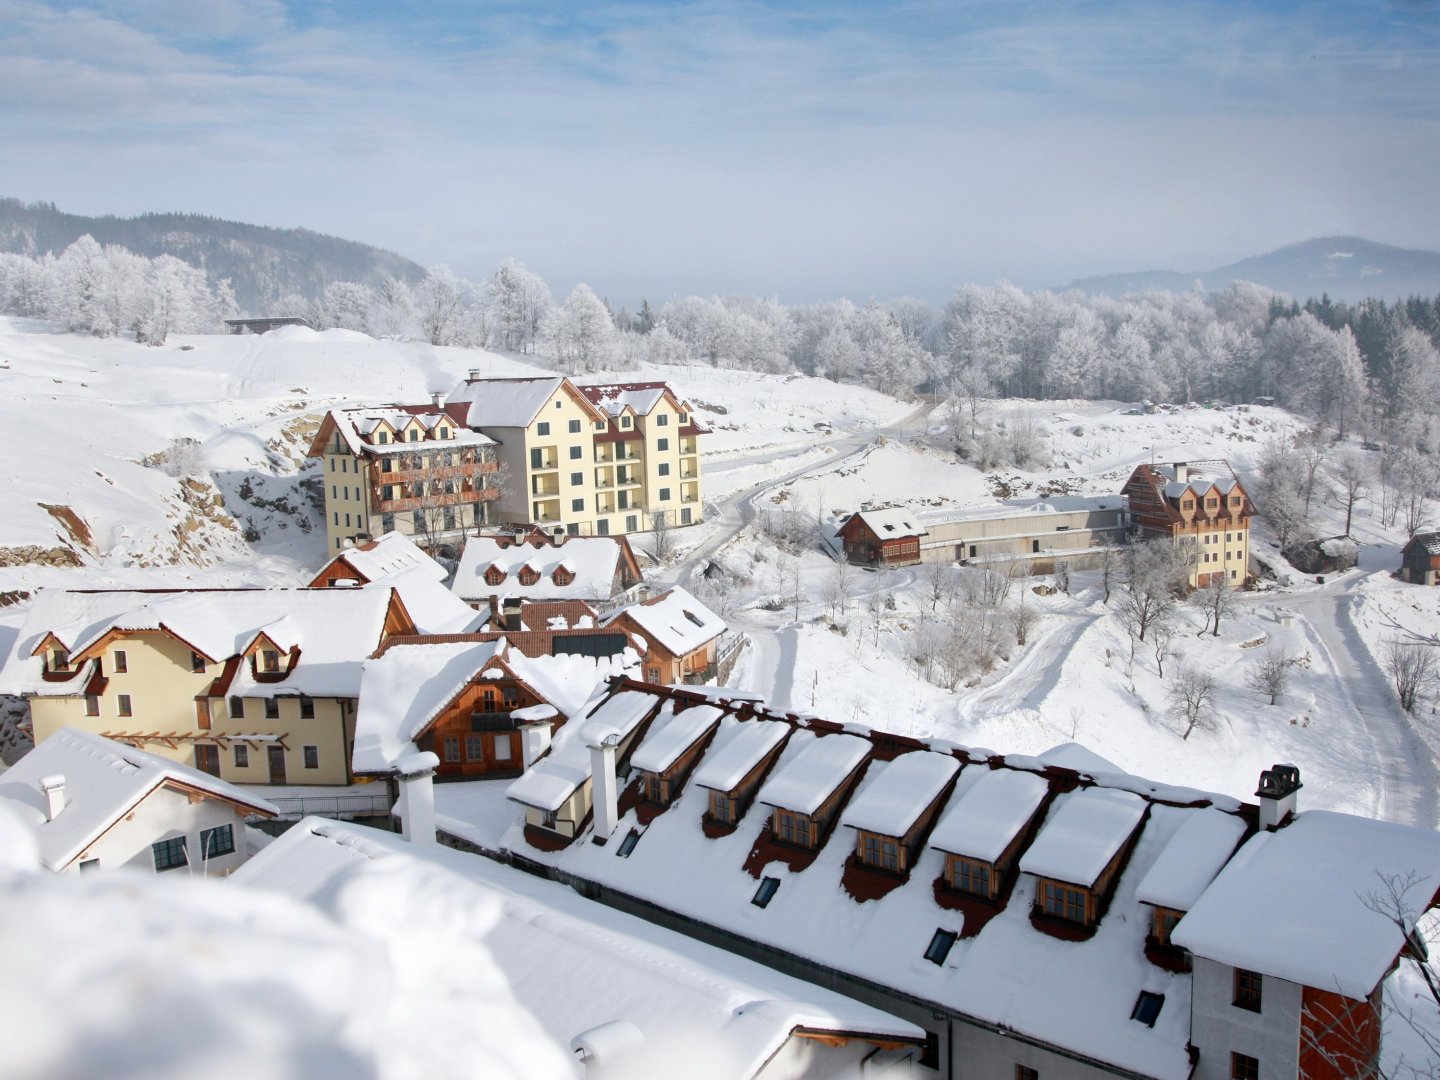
(440, 306)
(521, 302)
(581, 334)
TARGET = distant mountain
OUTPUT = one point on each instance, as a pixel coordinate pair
(1346, 267)
(263, 264)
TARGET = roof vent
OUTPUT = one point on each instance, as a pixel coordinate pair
(53, 788)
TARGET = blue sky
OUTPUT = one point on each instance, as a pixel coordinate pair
(804, 150)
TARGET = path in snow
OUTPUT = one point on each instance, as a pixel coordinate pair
(1028, 683)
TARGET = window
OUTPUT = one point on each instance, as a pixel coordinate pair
(217, 841)
(542, 428)
(722, 808)
(1248, 985)
(1244, 1067)
(599, 425)
(92, 705)
(664, 494)
(511, 697)
(169, 854)
(122, 705)
(574, 427)
(576, 453)
(1147, 1007)
(624, 421)
(270, 660)
(1165, 922)
(307, 708)
(414, 435)
(662, 444)
(766, 892)
(380, 437)
(685, 516)
(242, 757)
(881, 851)
(939, 947)
(502, 747)
(602, 528)
(664, 468)
(1064, 901)
(272, 708)
(237, 707)
(537, 458)
(474, 748)
(451, 748)
(312, 757)
(577, 505)
(683, 418)
(197, 662)
(970, 875)
(576, 479)
(1024, 1072)
(632, 523)
(120, 662)
(793, 828)
(60, 660)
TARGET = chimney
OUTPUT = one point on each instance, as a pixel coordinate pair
(474, 375)
(1277, 793)
(53, 788)
(603, 741)
(438, 400)
(1182, 472)
(510, 618)
(417, 796)
(494, 612)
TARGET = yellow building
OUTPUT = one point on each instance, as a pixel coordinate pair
(256, 686)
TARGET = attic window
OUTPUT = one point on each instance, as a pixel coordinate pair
(628, 844)
(442, 432)
(414, 435)
(695, 619)
(562, 576)
(382, 437)
(269, 661)
(939, 947)
(1147, 1008)
(889, 527)
(625, 421)
(494, 576)
(683, 418)
(766, 892)
(529, 575)
(60, 660)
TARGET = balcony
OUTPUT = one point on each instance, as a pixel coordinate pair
(420, 501)
(492, 721)
(545, 485)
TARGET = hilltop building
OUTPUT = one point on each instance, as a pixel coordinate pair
(1201, 504)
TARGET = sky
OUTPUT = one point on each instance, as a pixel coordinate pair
(799, 150)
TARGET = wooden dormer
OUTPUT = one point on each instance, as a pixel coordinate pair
(732, 774)
(269, 660)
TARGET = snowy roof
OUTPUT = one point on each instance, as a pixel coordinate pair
(104, 781)
(1083, 834)
(432, 607)
(664, 745)
(891, 523)
(738, 750)
(988, 816)
(896, 793)
(615, 398)
(335, 629)
(594, 561)
(1200, 477)
(1050, 504)
(1286, 891)
(1195, 854)
(675, 619)
(501, 403)
(572, 963)
(811, 776)
(388, 554)
(357, 427)
(554, 779)
(1429, 541)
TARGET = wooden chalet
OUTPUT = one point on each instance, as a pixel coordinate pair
(889, 537)
(1420, 559)
(681, 636)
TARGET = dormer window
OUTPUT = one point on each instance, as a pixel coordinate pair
(1065, 901)
(59, 659)
(494, 576)
(442, 432)
(625, 421)
(683, 418)
(1212, 504)
(529, 575)
(970, 875)
(269, 661)
(562, 576)
(382, 436)
(1188, 504)
(794, 828)
(414, 435)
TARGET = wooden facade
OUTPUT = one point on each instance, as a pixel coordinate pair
(1064, 907)
(865, 548)
(1169, 501)
(1420, 559)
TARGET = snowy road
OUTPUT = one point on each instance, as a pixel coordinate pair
(1034, 677)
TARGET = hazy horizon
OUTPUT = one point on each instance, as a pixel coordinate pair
(801, 150)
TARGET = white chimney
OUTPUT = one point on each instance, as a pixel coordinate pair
(53, 787)
(438, 399)
(1182, 472)
(603, 741)
(474, 375)
(417, 796)
(1277, 792)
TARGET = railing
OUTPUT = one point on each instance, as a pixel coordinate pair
(447, 498)
(492, 721)
(342, 807)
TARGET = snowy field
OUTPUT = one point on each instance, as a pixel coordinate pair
(93, 414)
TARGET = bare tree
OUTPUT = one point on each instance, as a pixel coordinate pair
(1192, 699)
(985, 589)
(1269, 675)
(836, 586)
(1216, 601)
(1411, 667)
(1155, 574)
(1352, 482)
(662, 539)
(1109, 568)
(1162, 633)
(939, 582)
(1062, 576)
(1311, 453)
(1023, 618)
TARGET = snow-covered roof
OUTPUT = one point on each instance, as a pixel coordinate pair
(357, 427)
(572, 963)
(892, 522)
(335, 629)
(809, 777)
(1083, 834)
(1200, 477)
(555, 778)
(388, 554)
(675, 619)
(897, 792)
(1314, 881)
(1050, 504)
(432, 607)
(1195, 854)
(504, 403)
(593, 560)
(615, 398)
(664, 745)
(986, 818)
(737, 749)
(104, 781)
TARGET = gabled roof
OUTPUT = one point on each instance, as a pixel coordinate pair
(513, 403)
(388, 554)
(104, 781)
(891, 523)
(573, 964)
(595, 561)
(1319, 879)
(1428, 542)
(675, 620)
(335, 629)
(357, 426)
(1083, 834)
(896, 793)
(984, 820)
(737, 751)
(663, 748)
(639, 397)
(807, 779)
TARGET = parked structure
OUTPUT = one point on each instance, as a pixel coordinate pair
(1076, 921)
(415, 469)
(95, 804)
(253, 685)
(1034, 533)
(589, 461)
(532, 565)
(1201, 504)
(1420, 559)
